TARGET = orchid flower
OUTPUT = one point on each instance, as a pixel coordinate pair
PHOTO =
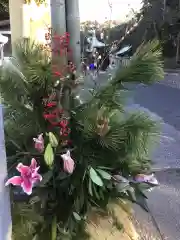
(29, 176)
(68, 162)
(39, 143)
(142, 178)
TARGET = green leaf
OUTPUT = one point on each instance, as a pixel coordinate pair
(76, 216)
(132, 194)
(104, 174)
(62, 176)
(95, 178)
(49, 155)
(105, 168)
(96, 192)
(145, 186)
(35, 237)
(90, 188)
(45, 179)
(141, 201)
(101, 194)
(53, 140)
(34, 200)
(123, 186)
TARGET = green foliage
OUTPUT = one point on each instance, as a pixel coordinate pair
(4, 6)
(24, 221)
(24, 81)
(105, 139)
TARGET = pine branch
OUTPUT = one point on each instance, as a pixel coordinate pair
(145, 67)
(24, 81)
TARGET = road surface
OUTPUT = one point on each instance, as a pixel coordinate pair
(162, 101)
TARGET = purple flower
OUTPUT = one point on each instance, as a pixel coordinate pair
(39, 143)
(29, 176)
(142, 178)
(68, 162)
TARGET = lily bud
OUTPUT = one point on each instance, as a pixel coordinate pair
(68, 163)
(53, 140)
(39, 143)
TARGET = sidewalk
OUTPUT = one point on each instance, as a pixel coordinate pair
(176, 70)
(171, 79)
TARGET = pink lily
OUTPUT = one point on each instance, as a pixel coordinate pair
(142, 178)
(29, 176)
(39, 143)
(68, 162)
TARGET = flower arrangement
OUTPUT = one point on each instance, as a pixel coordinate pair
(83, 154)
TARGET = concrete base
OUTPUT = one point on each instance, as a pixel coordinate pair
(5, 213)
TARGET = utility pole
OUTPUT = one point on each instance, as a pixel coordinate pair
(58, 16)
(58, 24)
(73, 28)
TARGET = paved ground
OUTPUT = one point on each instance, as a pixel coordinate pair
(162, 101)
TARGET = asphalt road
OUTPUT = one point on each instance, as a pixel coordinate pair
(162, 102)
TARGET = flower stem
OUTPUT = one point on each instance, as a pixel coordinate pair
(54, 229)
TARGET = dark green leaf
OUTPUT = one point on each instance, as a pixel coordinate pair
(132, 194)
(35, 237)
(95, 192)
(120, 179)
(104, 174)
(45, 179)
(101, 194)
(105, 168)
(34, 200)
(141, 201)
(95, 178)
(49, 155)
(144, 186)
(122, 186)
(62, 176)
(90, 187)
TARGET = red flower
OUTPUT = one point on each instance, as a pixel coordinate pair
(63, 123)
(51, 104)
(65, 132)
(49, 116)
(58, 74)
(66, 142)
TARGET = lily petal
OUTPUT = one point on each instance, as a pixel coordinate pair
(16, 181)
(40, 137)
(27, 186)
(24, 170)
(36, 170)
(68, 154)
(33, 165)
(36, 177)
